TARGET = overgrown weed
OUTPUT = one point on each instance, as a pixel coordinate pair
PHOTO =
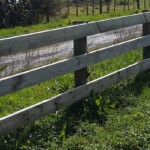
(117, 118)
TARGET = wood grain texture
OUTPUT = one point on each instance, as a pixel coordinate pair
(81, 75)
(146, 31)
(80, 48)
(32, 113)
(35, 40)
(41, 74)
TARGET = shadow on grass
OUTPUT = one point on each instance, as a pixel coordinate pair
(141, 81)
(57, 127)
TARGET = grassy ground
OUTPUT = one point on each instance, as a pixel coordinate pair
(61, 23)
(34, 94)
(115, 119)
(124, 123)
(65, 21)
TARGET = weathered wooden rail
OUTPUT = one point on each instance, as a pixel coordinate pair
(78, 33)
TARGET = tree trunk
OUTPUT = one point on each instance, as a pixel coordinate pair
(138, 4)
(68, 7)
(100, 7)
(59, 5)
(77, 13)
(93, 6)
(47, 14)
(87, 8)
(114, 5)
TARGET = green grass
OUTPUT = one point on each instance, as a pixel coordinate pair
(65, 21)
(37, 93)
(125, 123)
(60, 23)
(115, 119)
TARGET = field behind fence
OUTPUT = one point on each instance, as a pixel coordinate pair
(77, 64)
(90, 7)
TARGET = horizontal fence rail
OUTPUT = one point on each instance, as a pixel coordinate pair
(45, 38)
(41, 74)
(30, 114)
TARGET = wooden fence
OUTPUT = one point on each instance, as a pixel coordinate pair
(78, 7)
(78, 33)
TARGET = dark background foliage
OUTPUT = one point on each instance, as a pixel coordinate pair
(25, 12)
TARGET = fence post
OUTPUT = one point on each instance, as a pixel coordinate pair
(59, 9)
(93, 7)
(144, 4)
(80, 76)
(87, 7)
(133, 4)
(124, 5)
(146, 31)
(77, 11)
(68, 7)
(80, 47)
(100, 7)
(114, 5)
(138, 4)
(128, 4)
